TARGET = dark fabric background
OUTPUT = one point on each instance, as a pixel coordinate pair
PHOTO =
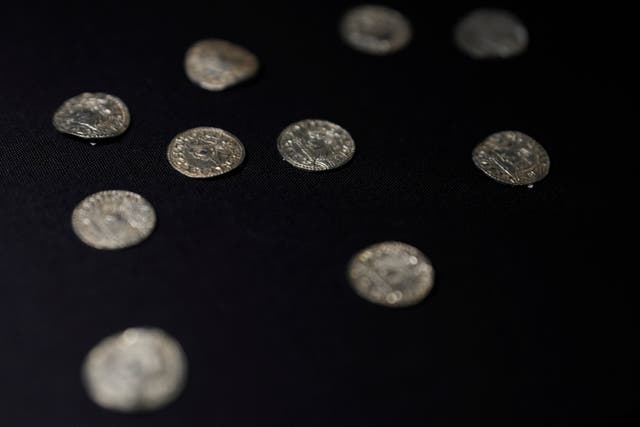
(526, 325)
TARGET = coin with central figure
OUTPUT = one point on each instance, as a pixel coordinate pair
(376, 30)
(92, 116)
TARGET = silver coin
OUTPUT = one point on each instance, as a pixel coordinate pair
(512, 157)
(215, 64)
(491, 33)
(316, 145)
(92, 116)
(204, 152)
(113, 219)
(139, 369)
(392, 274)
(376, 30)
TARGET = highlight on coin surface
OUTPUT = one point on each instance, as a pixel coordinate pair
(376, 30)
(139, 369)
(216, 64)
(92, 116)
(491, 33)
(391, 274)
(113, 219)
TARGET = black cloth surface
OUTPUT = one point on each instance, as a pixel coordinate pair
(525, 326)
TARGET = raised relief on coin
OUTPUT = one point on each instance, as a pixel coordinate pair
(392, 274)
(204, 152)
(376, 30)
(511, 157)
(139, 369)
(491, 33)
(316, 145)
(92, 116)
(215, 64)
(113, 219)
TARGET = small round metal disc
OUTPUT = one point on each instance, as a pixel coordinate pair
(376, 30)
(204, 152)
(392, 274)
(139, 369)
(511, 157)
(113, 219)
(92, 116)
(316, 145)
(215, 64)
(491, 33)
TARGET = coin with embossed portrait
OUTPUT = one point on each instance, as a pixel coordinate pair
(92, 116)
(136, 370)
(491, 33)
(511, 157)
(376, 30)
(392, 274)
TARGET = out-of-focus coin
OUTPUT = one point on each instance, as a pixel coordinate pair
(92, 116)
(376, 30)
(512, 158)
(113, 219)
(204, 152)
(392, 274)
(215, 64)
(139, 369)
(316, 145)
(491, 33)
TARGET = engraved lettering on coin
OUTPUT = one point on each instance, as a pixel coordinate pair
(491, 33)
(376, 30)
(391, 274)
(204, 152)
(92, 116)
(316, 145)
(139, 369)
(215, 64)
(113, 219)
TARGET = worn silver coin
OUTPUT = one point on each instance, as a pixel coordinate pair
(392, 274)
(215, 64)
(491, 33)
(92, 116)
(316, 145)
(511, 157)
(139, 369)
(376, 30)
(113, 219)
(204, 152)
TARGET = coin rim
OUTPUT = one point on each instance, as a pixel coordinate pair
(118, 101)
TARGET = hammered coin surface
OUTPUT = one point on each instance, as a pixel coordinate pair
(511, 157)
(392, 274)
(316, 145)
(139, 369)
(376, 30)
(205, 152)
(113, 219)
(491, 33)
(215, 64)
(92, 116)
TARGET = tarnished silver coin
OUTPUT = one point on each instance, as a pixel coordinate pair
(92, 116)
(376, 30)
(392, 274)
(215, 64)
(113, 219)
(204, 152)
(512, 157)
(139, 369)
(316, 145)
(491, 33)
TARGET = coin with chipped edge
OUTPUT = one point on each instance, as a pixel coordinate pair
(92, 116)
(316, 145)
(511, 157)
(491, 33)
(392, 274)
(113, 219)
(139, 369)
(204, 152)
(215, 64)
(376, 30)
